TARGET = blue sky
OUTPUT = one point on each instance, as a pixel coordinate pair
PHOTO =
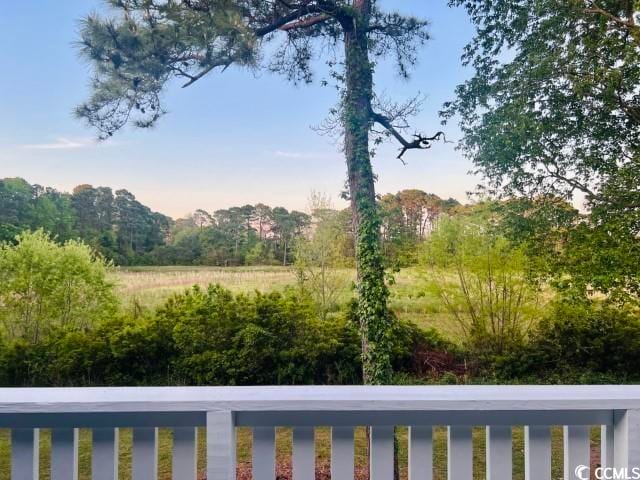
(230, 139)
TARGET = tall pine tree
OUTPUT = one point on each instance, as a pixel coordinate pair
(148, 43)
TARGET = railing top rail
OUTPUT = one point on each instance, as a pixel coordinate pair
(318, 398)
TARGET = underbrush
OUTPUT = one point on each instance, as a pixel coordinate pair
(215, 337)
(587, 342)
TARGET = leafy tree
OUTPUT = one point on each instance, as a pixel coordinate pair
(93, 207)
(44, 285)
(553, 109)
(138, 53)
(232, 222)
(286, 226)
(543, 226)
(262, 215)
(318, 256)
(29, 207)
(15, 207)
(255, 256)
(202, 218)
(138, 229)
(562, 113)
(601, 259)
(407, 218)
(489, 293)
(247, 235)
(53, 212)
(117, 225)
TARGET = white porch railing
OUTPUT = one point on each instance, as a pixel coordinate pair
(616, 409)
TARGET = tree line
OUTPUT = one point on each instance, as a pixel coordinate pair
(120, 228)
(247, 235)
(577, 252)
(114, 224)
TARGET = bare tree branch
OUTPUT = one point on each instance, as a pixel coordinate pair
(420, 141)
(575, 184)
(627, 24)
(325, 7)
(287, 22)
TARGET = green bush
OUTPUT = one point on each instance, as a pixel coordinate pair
(226, 339)
(578, 343)
(121, 351)
(417, 353)
(44, 286)
(199, 337)
(410, 342)
(213, 337)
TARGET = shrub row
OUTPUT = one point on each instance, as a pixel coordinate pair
(578, 343)
(213, 337)
(209, 337)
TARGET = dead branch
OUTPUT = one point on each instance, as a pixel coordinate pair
(420, 141)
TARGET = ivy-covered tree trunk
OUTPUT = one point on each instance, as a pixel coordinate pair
(372, 291)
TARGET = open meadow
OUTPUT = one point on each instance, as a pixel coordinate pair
(410, 297)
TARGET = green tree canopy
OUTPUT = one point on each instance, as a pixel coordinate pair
(554, 105)
(553, 110)
(481, 278)
(44, 285)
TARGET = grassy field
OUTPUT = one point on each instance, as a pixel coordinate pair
(284, 452)
(150, 286)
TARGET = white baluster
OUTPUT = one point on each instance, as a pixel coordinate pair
(304, 461)
(104, 455)
(499, 453)
(460, 453)
(342, 453)
(606, 446)
(576, 450)
(381, 462)
(185, 453)
(25, 450)
(626, 450)
(64, 454)
(145, 453)
(264, 453)
(420, 453)
(537, 453)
